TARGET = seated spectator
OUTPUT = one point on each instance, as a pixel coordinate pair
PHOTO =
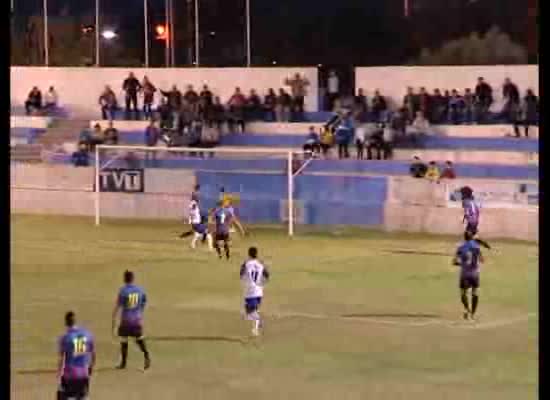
(236, 106)
(93, 138)
(398, 124)
(374, 140)
(312, 144)
(253, 106)
(298, 89)
(148, 97)
(432, 173)
(81, 157)
(420, 124)
(327, 140)
(344, 135)
(446, 101)
(108, 103)
(165, 114)
(110, 136)
(34, 101)
(448, 171)
(282, 108)
(174, 97)
(456, 106)
(152, 134)
(270, 102)
(186, 116)
(388, 136)
(468, 103)
(379, 106)
(439, 107)
(360, 106)
(50, 99)
(418, 169)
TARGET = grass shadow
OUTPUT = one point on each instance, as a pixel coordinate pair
(418, 252)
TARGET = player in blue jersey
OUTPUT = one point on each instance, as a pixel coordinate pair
(76, 361)
(468, 257)
(131, 301)
(227, 202)
(222, 220)
(471, 214)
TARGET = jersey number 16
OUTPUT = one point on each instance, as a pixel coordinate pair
(79, 346)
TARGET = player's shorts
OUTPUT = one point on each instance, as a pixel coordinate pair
(74, 388)
(472, 228)
(222, 236)
(199, 228)
(252, 304)
(469, 282)
(130, 330)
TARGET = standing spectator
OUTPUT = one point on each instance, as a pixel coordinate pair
(446, 102)
(418, 168)
(360, 140)
(379, 106)
(398, 123)
(448, 171)
(484, 99)
(111, 134)
(530, 112)
(174, 97)
(424, 102)
(192, 99)
(34, 101)
(298, 89)
(410, 102)
(50, 100)
(312, 145)
(217, 114)
(455, 107)
(205, 101)
(148, 97)
(165, 114)
(152, 134)
(253, 106)
(468, 103)
(360, 106)
(510, 93)
(236, 110)
(432, 173)
(344, 135)
(131, 86)
(108, 103)
(438, 107)
(387, 142)
(333, 89)
(81, 157)
(270, 103)
(282, 108)
(327, 140)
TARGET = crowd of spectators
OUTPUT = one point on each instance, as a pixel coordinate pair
(431, 171)
(36, 104)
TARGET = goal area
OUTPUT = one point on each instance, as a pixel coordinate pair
(140, 182)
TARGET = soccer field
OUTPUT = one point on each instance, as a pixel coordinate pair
(362, 315)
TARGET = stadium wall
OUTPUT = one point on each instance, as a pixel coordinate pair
(393, 81)
(79, 88)
(393, 204)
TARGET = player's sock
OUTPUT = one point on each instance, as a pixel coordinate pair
(143, 348)
(123, 354)
(475, 301)
(218, 250)
(209, 238)
(195, 240)
(226, 248)
(464, 299)
(483, 243)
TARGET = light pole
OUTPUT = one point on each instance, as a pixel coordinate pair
(197, 34)
(46, 36)
(248, 53)
(146, 32)
(97, 41)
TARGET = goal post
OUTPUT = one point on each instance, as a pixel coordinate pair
(242, 159)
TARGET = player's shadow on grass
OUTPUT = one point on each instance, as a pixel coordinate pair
(418, 252)
(393, 315)
(50, 371)
(221, 339)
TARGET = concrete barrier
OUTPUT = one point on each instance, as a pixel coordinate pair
(466, 157)
(30, 122)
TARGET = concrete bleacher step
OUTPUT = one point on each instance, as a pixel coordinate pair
(30, 153)
(62, 131)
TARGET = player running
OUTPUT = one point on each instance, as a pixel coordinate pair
(199, 226)
(76, 361)
(222, 220)
(131, 302)
(253, 277)
(468, 257)
(471, 214)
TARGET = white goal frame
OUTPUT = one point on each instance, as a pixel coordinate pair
(290, 156)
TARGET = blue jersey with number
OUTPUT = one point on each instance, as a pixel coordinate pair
(132, 300)
(468, 255)
(222, 217)
(76, 346)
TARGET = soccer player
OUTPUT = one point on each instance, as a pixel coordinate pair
(468, 257)
(253, 277)
(200, 229)
(76, 361)
(471, 214)
(228, 204)
(131, 302)
(222, 220)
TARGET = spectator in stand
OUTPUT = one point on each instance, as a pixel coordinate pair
(312, 144)
(152, 134)
(81, 157)
(510, 93)
(270, 103)
(131, 86)
(448, 171)
(344, 135)
(410, 104)
(446, 102)
(469, 103)
(165, 114)
(456, 107)
(192, 99)
(174, 97)
(50, 100)
(398, 124)
(253, 106)
(387, 142)
(298, 89)
(282, 108)
(360, 106)
(92, 138)
(379, 106)
(333, 89)
(206, 99)
(236, 105)
(418, 168)
(108, 103)
(327, 140)
(148, 97)
(217, 114)
(424, 102)
(111, 134)
(186, 117)
(420, 124)
(439, 107)
(530, 111)
(34, 101)
(484, 99)
(360, 132)
(374, 140)
(432, 173)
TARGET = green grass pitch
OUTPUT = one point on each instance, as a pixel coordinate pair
(359, 315)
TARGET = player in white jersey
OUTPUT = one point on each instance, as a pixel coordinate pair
(253, 277)
(200, 228)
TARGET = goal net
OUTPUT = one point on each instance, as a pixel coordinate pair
(138, 182)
